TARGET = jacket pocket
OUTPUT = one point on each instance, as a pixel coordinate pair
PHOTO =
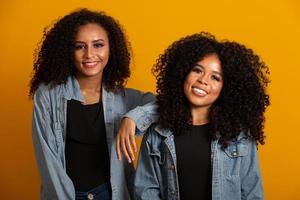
(233, 156)
(155, 152)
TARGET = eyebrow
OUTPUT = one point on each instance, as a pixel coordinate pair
(94, 41)
(216, 72)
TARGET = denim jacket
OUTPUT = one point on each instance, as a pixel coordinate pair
(49, 135)
(235, 170)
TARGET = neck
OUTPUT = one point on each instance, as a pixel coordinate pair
(91, 84)
(200, 115)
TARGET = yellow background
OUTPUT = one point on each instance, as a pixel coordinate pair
(270, 27)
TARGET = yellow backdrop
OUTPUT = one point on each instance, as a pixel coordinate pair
(270, 27)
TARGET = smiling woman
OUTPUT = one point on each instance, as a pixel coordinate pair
(79, 102)
(91, 55)
(212, 99)
(203, 85)
(91, 50)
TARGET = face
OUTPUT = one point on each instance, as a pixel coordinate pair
(91, 51)
(204, 82)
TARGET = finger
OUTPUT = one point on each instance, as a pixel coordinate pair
(129, 149)
(118, 147)
(124, 150)
(133, 143)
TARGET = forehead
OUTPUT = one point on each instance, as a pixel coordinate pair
(91, 31)
(211, 62)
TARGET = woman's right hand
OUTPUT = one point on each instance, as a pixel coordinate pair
(125, 141)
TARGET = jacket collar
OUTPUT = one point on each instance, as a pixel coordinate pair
(165, 132)
(71, 90)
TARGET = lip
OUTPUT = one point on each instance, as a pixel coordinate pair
(89, 64)
(199, 91)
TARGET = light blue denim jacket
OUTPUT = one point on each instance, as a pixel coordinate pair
(49, 134)
(235, 171)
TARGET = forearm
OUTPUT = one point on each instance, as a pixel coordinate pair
(144, 116)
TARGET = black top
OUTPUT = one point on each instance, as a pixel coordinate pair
(87, 158)
(194, 163)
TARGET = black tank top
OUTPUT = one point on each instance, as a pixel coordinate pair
(194, 163)
(87, 159)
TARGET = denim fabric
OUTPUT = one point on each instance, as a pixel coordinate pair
(49, 133)
(102, 192)
(235, 171)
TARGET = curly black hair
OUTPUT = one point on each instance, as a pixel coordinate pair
(54, 58)
(242, 101)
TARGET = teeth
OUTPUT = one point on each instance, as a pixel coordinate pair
(90, 64)
(198, 90)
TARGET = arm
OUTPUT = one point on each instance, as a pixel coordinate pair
(55, 182)
(251, 183)
(146, 182)
(142, 115)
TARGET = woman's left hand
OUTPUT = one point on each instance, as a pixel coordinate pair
(125, 140)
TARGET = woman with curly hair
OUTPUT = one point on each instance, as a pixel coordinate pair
(212, 98)
(80, 71)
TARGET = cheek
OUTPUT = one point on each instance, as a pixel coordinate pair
(185, 90)
(77, 57)
(189, 81)
(218, 89)
(107, 54)
(77, 66)
(186, 87)
(104, 52)
(77, 61)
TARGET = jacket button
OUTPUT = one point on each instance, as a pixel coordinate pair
(173, 193)
(234, 153)
(172, 167)
(90, 196)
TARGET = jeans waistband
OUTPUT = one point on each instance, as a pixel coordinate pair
(100, 192)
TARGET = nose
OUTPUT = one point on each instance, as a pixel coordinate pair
(203, 80)
(89, 52)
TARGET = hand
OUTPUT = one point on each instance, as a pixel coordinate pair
(125, 140)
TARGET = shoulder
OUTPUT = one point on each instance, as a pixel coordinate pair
(134, 97)
(42, 93)
(132, 92)
(124, 92)
(46, 93)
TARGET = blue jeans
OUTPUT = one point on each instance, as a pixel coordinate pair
(102, 192)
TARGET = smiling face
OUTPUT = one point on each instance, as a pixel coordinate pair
(204, 82)
(91, 50)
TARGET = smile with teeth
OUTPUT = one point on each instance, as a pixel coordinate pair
(90, 63)
(199, 91)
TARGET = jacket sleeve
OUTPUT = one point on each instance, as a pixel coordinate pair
(143, 109)
(55, 182)
(251, 182)
(146, 182)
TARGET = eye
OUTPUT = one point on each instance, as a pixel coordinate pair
(216, 78)
(79, 46)
(197, 70)
(98, 45)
